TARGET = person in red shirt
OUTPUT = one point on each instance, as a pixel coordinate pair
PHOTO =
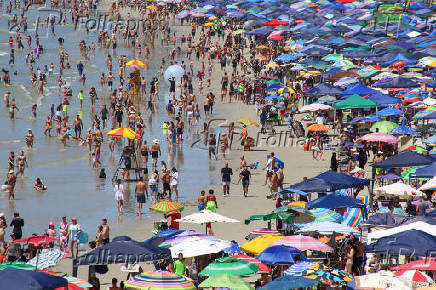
(174, 216)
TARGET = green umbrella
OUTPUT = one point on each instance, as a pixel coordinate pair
(273, 81)
(17, 265)
(226, 281)
(239, 31)
(229, 265)
(333, 57)
(406, 174)
(383, 126)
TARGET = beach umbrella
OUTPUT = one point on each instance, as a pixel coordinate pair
(289, 282)
(152, 7)
(166, 206)
(258, 244)
(260, 232)
(47, 258)
(226, 281)
(174, 240)
(156, 280)
(35, 240)
(303, 243)
(274, 86)
(415, 148)
(326, 275)
(325, 214)
(327, 228)
(415, 276)
(17, 265)
(209, 24)
(380, 137)
(17, 279)
(136, 63)
(426, 264)
(273, 81)
(383, 126)
(404, 130)
(398, 189)
(271, 64)
(197, 246)
(280, 255)
(229, 265)
(298, 268)
(317, 127)
(233, 248)
(263, 268)
(382, 280)
(428, 61)
(238, 31)
(182, 14)
(123, 132)
(276, 22)
(174, 71)
(248, 122)
(76, 283)
(275, 37)
(286, 90)
(206, 216)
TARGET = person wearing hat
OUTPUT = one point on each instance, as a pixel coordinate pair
(155, 152)
(51, 232)
(29, 138)
(74, 230)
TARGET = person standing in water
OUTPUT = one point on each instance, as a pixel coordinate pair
(140, 190)
(119, 195)
(155, 152)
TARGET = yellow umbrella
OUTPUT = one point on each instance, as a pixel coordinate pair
(285, 90)
(287, 48)
(209, 24)
(123, 132)
(151, 7)
(310, 73)
(271, 64)
(262, 46)
(258, 244)
(213, 18)
(136, 63)
(248, 122)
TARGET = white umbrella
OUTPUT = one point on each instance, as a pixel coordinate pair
(196, 246)
(382, 280)
(420, 226)
(327, 228)
(174, 71)
(206, 216)
(431, 184)
(315, 107)
(398, 189)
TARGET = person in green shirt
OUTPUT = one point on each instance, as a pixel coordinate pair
(180, 266)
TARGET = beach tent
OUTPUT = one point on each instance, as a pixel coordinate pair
(354, 102)
(426, 172)
(396, 83)
(404, 159)
(410, 243)
(386, 219)
(419, 225)
(323, 89)
(334, 200)
(359, 89)
(18, 279)
(123, 252)
(329, 181)
(384, 100)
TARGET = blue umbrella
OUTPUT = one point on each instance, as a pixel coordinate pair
(17, 279)
(289, 282)
(233, 249)
(298, 268)
(280, 255)
(275, 86)
(269, 98)
(389, 112)
(404, 130)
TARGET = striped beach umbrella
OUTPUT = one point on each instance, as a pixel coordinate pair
(325, 214)
(47, 258)
(182, 14)
(226, 281)
(263, 268)
(303, 243)
(77, 282)
(166, 206)
(155, 280)
(298, 268)
(179, 239)
(123, 132)
(326, 275)
(229, 265)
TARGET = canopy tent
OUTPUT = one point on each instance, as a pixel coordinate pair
(122, 252)
(404, 159)
(421, 226)
(426, 172)
(329, 181)
(354, 102)
(384, 100)
(358, 89)
(323, 89)
(333, 201)
(396, 83)
(409, 243)
(390, 111)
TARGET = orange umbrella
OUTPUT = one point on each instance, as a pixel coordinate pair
(317, 127)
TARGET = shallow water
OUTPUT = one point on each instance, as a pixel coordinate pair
(74, 188)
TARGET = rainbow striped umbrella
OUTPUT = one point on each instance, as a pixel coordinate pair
(325, 214)
(157, 280)
(353, 216)
(78, 282)
(122, 132)
(166, 206)
(177, 240)
(182, 14)
(136, 63)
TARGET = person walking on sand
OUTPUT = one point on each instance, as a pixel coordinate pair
(245, 176)
(224, 144)
(201, 200)
(155, 152)
(226, 173)
(74, 231)
(119, 195)
(140, 191)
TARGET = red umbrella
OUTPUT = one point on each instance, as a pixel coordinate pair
(427, 264)
(346, 1)
(415, 275)
(399, 63)
(36, 240)
(263, 268)
(276, 22)
(275, 37)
